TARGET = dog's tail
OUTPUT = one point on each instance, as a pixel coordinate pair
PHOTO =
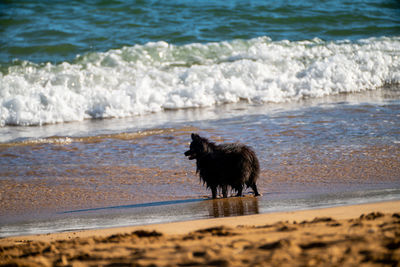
(255, 170)
(254, 174)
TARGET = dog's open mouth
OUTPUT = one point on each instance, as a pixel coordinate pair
(190, 154)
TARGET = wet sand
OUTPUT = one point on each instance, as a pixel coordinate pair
(367, 234)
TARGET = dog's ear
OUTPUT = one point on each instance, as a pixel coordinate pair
(195, 136)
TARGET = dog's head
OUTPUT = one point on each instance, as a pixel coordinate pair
(198, 146)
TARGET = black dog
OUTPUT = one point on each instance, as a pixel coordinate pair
(220, 166)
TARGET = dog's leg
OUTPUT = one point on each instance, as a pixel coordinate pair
(225, 191)
(239, 191)
(254, 187)
(214, 192)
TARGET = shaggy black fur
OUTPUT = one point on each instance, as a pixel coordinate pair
(225, 165)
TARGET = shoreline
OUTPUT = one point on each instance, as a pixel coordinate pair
(172, 228)
(354, 234)
(164, 212)
(306, 148)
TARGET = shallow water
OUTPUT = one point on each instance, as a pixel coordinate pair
(314, 153)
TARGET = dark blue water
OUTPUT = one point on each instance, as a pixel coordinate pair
(56, 31)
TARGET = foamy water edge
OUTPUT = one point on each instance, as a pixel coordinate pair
(157, 76)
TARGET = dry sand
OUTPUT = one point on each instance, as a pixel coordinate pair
(367, 234)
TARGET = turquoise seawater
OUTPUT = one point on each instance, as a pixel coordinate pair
(57, 31)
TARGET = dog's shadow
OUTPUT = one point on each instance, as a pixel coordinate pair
(223, 207)
(140, 205)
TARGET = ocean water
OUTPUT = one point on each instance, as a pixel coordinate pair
(71, 61)
(98, 100)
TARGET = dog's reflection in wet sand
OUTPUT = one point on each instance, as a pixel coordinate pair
(234, 206)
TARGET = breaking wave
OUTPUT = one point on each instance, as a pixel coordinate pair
(157, 76)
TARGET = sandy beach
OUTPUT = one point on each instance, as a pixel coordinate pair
(367, 234)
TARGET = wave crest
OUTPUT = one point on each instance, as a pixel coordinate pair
(157, 76)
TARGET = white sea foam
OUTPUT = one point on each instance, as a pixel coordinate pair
(157, 76)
